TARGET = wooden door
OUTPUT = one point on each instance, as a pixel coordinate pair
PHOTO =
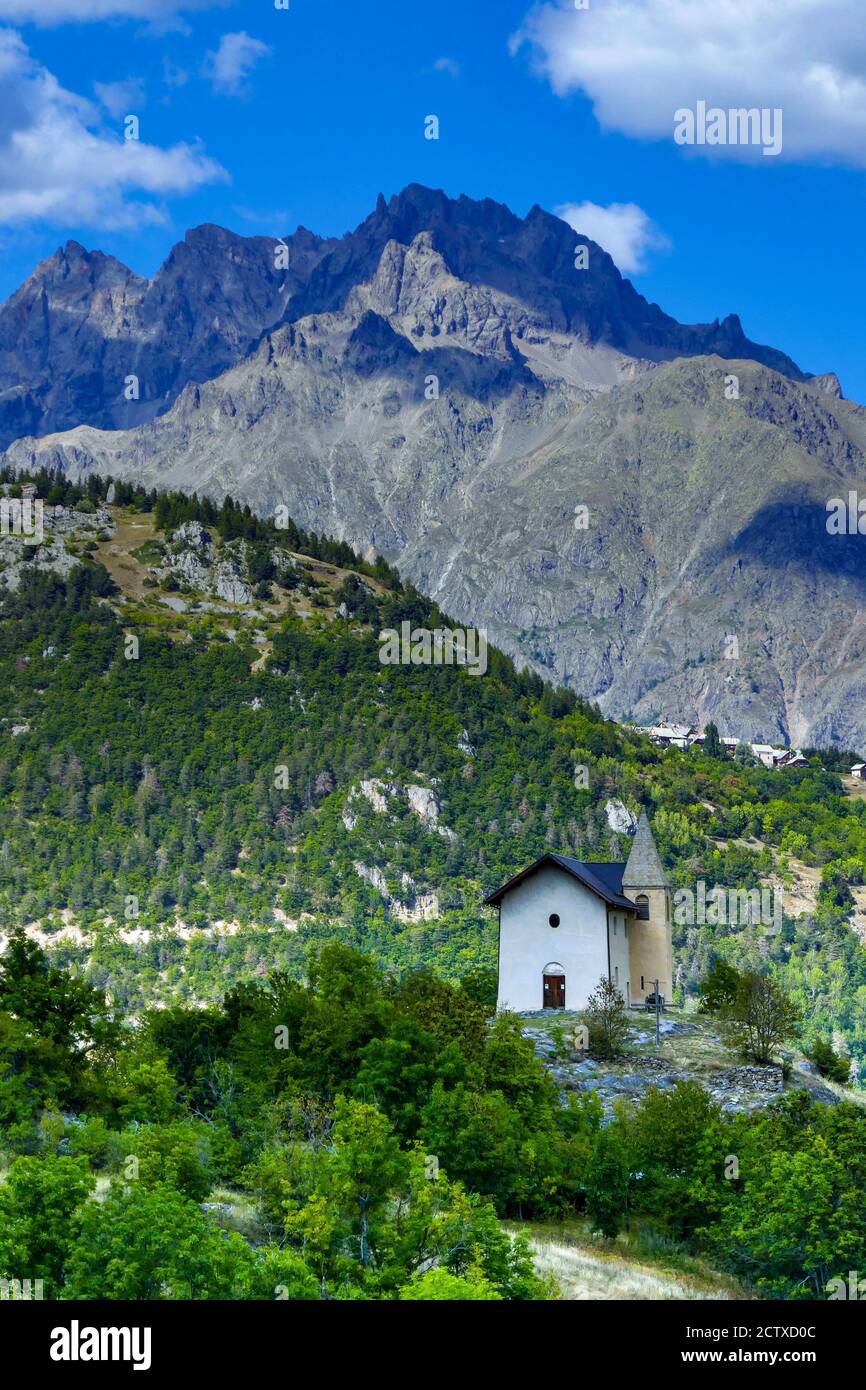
(554, 991)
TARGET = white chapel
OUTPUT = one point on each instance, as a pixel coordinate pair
(564, 924)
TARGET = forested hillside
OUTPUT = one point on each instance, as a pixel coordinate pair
(218, 801)
(363, 1137)
(245, 780)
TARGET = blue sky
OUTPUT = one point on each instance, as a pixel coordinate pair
(260, 119)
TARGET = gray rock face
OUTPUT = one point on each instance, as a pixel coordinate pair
(229, 586)
(83, 324)
(192, 555)
(619, 817)
(734, 1088)
(191, 558)
(59, 526)
(537, 448)
(424, 804)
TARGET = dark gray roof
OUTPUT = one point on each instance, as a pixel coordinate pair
(610, 872)
(644, 868)
(603, 879)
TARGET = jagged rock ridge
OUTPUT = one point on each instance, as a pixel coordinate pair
(536, 446)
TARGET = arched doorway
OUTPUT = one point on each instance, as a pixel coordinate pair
(553, 991)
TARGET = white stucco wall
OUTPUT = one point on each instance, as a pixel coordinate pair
(620, 925)
(527, 943)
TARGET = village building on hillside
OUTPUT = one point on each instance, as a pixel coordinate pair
(778, 757)
(859, 770)
(793, 758)
(565, 924)
(673, 735)
(670, 735)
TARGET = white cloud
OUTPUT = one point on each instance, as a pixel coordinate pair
(623, 230)
(449, 65)
(161, 14)
(231, 64)
(121, 98)
(59, 165)
(639, 61)
(172, 75)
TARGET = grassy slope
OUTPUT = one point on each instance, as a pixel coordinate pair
(588, 1267)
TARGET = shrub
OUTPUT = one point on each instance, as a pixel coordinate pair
(606, 1020)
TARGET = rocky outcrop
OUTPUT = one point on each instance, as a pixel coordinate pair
(619, 817)
(418, 907)
(192, 555)
(61, 526)
(228, 584)
(689, 1051)
(424, 805)
(381, 795)
(192, 559)
(377, 793)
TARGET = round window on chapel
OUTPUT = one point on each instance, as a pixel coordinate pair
(553, 919)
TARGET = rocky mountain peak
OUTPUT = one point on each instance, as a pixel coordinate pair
(73, 264)
(71, 251)
(445, 386)
(830, 383)
(465, 269)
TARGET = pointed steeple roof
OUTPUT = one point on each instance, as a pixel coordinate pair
(644, 868)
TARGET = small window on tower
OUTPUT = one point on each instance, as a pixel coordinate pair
(553, 919)
(642, 902)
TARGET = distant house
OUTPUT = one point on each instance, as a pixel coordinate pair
(859, 770)
(776, 757)
(793, 758)
(671, 735)
(564, 924)
(765, 753)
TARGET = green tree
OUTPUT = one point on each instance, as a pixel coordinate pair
(53, 1027)
(175, 1155)
(143, 1088)
(828, 1062)
(152, 1243)
(38, 1202)
(760, 1019)
(718, 989)
(797, 1223)
(607, 1184)
(477, 1138)
(678, 1143)
(439, 1285)
(281, 1275)
(606, 1020)
(369, 1215)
